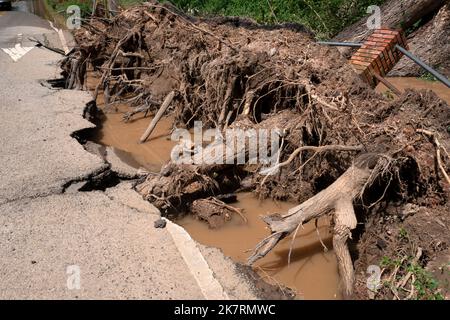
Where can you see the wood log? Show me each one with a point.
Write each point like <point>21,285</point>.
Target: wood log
<point>157,117</point>
<point>337,198</point>
<point>394,14</point>
<point>431,43</point>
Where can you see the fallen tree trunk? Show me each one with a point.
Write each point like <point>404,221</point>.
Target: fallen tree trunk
<point>338,197</point>
<point>431,43</point>
<point>394,14</point>
<point>426,42</point>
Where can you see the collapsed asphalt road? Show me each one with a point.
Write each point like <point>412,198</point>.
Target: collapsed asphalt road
<point>59,243</point>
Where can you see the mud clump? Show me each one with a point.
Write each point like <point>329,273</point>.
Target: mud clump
<point>215,212</point>
<point>236,74</point>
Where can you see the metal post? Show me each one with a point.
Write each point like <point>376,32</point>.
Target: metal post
<point>416,60</point>
<point>340,44</point>
<point>438,76</point>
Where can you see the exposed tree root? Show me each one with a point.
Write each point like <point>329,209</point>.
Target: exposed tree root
<point>338,197</point>
<point>339,140</point>
<point>214,211</point>
<point>439,147</point>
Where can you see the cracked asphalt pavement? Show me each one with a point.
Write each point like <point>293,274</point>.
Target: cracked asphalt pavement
<point>108,238</point>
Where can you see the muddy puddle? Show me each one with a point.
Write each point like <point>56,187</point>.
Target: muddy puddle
<point>312,271</point>
<point>402,83</point>
<point>124,137</point>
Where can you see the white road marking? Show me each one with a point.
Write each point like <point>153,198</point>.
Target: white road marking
<point>17,52</point>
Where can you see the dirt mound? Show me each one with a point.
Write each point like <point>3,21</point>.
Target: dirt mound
<point>345,150</point>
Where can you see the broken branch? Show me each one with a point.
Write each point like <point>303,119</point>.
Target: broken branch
<point>157,117</point>
<point>338,197</point>
<point>438,151</point>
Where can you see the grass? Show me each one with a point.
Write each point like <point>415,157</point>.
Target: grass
<point>325,17</point>
<point>428,77</point>
<point>60,6</point>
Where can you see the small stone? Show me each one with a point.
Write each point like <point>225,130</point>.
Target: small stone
<point>272,52</point>
<point>33,262</point>
<point>160,223</point>
<point>381,244</point>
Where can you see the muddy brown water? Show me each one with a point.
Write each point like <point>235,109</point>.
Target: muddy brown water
<point>312,271</point>
<point>402,83</point>
<point>124,137</point>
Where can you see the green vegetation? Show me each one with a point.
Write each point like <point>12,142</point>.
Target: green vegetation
<point>426,287</point>
<point>403,234</point>
<point>325,17</point>
<point>428,77</point>
<point>60,6</point>
<point>405,277</point>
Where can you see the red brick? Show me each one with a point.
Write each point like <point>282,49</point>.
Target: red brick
<point>382,66</point>
<point>378,54</point>
<point>359,68</point>
<point>384,36</point>
<point>381,43</point>
<point>387,31</point>
<point>377,48</point>
<point>384,62</point>
<point>372,81</point>
<point>361,63</point>
<point>369,51</point>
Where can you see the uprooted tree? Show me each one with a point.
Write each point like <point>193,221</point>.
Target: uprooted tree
<point>344,148</point>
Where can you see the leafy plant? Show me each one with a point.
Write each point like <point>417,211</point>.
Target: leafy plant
<point>427,287</point>
<point>61,6</point>
<point>428,77</point>
<point>403,234</point>
<point>325,17</point>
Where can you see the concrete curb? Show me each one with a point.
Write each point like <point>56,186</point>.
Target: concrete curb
<point>195,261</point>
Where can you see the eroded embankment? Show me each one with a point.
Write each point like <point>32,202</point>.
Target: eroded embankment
<point>347,153</point>
<point>312,272</point>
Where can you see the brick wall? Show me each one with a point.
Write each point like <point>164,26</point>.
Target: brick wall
<point>378,54</point>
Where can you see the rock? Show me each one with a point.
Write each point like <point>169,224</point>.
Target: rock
<point>381,244</point>
<point>160,223</point>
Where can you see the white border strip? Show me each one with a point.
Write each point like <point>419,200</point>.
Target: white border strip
<point>196,263</point>
<point>61,37</point>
